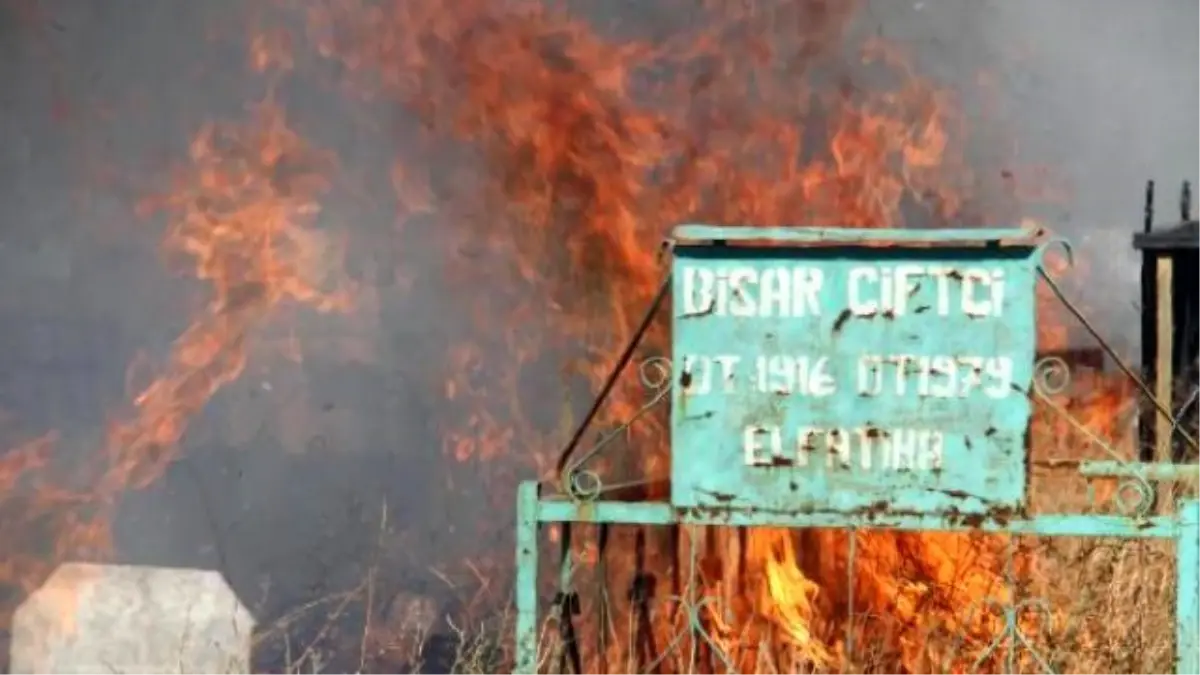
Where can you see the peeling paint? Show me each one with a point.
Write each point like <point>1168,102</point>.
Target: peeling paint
<point>935,425</point>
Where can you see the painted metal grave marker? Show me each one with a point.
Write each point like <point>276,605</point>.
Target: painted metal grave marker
<point>852,377</point>
<point>919,355</point>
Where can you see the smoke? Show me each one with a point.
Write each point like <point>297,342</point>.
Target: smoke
<point>1101,95</point>
<point>283,482</point>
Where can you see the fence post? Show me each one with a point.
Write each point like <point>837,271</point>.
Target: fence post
<point>1187,589</point>
<point>526,586</point>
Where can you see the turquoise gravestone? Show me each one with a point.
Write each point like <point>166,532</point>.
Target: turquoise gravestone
<point>852,378</point>
<point>857,379</point>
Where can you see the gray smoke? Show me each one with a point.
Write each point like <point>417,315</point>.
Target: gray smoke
<point>1104,93</point>
<point>99,101</point>
<point>100,98</point>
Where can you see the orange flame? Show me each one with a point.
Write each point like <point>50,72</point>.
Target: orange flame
<point>241,214</point>
<point>593,147</point>
<point>563,155</point>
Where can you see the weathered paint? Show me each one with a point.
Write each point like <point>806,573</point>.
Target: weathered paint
<point>1183,528</point>
<point>841,235</point>
<point>1147,471</point>
<point>526,586</point>
<point>979,488</point>
<point>1045,525</point>
<point>1187,590</point>
<point>937,426</point>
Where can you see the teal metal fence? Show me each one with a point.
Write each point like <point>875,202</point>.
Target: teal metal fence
<point>850,381</point>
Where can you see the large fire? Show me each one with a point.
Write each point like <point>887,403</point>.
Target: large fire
<point>590,147</point>
<point>239,216</point>
<point>563,153</point>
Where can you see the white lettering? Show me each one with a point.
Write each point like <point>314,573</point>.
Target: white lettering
<point>740,297</point>
<point>745,292</point>
<point>997,286</point>
<point>972,305</point>
<point>890,290</point>
<point>795,291</point>
<point>806,444</point>
<point>870,376</point>
<point>775,292</point>
<point>700,372</point>
<point>806,291</point>
<point>935,376</point>
<point>904,450</point>
<point>801,375</point>
<point>859,449</point>
<point>857,277</point>
<point>698,283</point>
<point>1000,374</point>
<point>753,447</point>
<point>837,444</point>
<point>942,372</point>
<point>908,282</point>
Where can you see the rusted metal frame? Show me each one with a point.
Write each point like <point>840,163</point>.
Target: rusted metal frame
<point>528,525</point>
<point>564,468</point>
<point>1183,528</point>
<point>1112,354</point>
<point>583,484</point>
<point>603,612</point>
<point>661,513</point>
<point>566,603</point>
<point>1151,471</point>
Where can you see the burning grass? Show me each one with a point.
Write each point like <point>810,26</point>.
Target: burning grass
<point>1111,600</point>
<point>565,152</point>
<point>1083,605</point>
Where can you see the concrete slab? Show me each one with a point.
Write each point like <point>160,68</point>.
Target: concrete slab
<point>90,618</point>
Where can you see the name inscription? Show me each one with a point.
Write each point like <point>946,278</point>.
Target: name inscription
<point>799,291</point>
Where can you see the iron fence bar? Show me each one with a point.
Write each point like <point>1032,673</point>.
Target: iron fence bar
<point>619,367</point>
<point>1183,528</point>
<point>1154,471</point>
<point>1187,589</point>
<point>1112,354</point>
<point>1050,525</point>
<point>526,580</point>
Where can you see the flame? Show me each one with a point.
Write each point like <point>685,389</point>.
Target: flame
<point>580,150</point>
<point>556,157</point>
<point>240,216</point>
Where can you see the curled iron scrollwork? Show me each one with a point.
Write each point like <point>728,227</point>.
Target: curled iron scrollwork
<point>1055,242</point>
<point>1134,497</point>
<point>584,484</point>
<point>655,373</point>
<point>1014,632</point>
<point>1051,376</point>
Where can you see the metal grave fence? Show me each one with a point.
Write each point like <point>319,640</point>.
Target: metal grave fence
<point>847,382</point>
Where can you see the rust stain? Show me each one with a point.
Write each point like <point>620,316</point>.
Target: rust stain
<point>841,320</point>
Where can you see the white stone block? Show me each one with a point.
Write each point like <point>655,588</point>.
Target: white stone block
<point>91,618</point>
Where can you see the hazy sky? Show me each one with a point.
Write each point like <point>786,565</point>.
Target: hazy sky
<point>99,97</point>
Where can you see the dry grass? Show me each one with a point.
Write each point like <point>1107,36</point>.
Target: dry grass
<point>1111,610</point>
<point>1109,602</point>
<point>1111,607</point>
